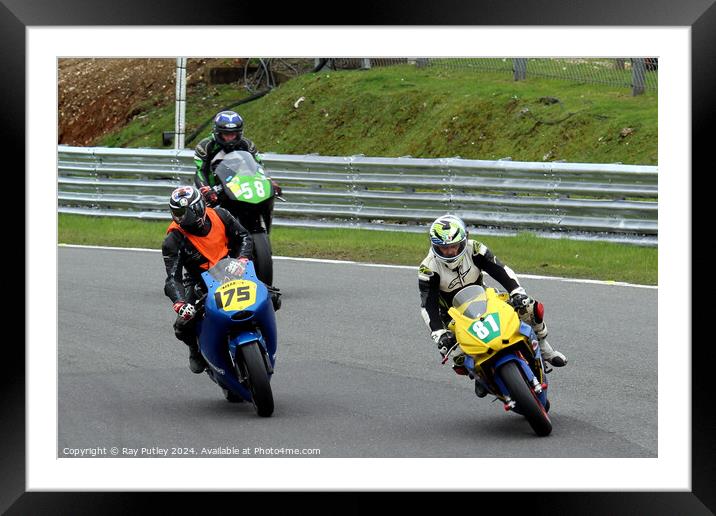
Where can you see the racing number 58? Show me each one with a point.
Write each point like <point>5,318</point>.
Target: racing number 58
<point>247,193</point>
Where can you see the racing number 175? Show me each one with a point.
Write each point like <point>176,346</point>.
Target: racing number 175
<point>242,294</point>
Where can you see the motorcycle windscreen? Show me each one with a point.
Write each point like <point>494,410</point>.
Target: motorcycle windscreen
<point>242,178</point>
<point>221,271</point>
<point>231,291</point>
<point>471,301</point>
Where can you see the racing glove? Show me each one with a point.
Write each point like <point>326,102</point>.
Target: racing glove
<point>185,310</point>
<point>276,188</point>
<point>238,266</point>
<point>445,341</point>
<point>209,195</point>
<point>519,299</point>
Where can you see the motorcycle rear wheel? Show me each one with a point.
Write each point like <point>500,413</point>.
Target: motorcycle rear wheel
<point>262,257</point>
<point>526,400</point>
<point>258,379</point>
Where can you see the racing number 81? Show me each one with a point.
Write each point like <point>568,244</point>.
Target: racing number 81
<point>482,331</point>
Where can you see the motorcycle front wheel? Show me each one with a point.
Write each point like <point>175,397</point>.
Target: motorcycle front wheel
<point>526,400</point>
<point>258,379</point>
<point>262,257</point>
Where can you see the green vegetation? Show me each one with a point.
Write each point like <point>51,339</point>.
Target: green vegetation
<point>157,115</point>
<point>526,254</point>
<point>425,112</point>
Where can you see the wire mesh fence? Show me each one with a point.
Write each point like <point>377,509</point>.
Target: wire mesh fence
<point>615,72</point>
<point>639,74</point>
<point>260,74</point>
<point>492,64</point>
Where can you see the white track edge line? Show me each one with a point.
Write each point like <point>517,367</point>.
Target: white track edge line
<point>348,262</point>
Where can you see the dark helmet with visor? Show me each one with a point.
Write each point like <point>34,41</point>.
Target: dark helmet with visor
<point>188,209</point>
<point>228,129</point>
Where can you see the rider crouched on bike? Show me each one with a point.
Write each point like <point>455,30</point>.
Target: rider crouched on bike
<point>196,240</point>
<point>227,136</point>
<point>454,261</point>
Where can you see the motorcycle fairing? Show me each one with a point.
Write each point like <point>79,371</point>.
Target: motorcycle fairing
<point>469,363</point>
<point>471,344</point>
<point>251,189</point>
<point>527,331</point>
<point>243,178</point>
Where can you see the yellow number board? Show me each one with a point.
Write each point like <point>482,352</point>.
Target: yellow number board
<point>235,295</point>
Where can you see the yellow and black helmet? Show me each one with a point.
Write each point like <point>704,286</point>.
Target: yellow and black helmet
<point>448,237</point>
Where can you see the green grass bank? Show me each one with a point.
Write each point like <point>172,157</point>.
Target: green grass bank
<point>423,112</point>
<point>525,253</point>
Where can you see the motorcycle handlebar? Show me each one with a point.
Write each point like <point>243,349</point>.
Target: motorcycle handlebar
<point>199,305</point>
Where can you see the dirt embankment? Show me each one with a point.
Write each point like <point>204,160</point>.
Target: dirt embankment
<point>96,96</point>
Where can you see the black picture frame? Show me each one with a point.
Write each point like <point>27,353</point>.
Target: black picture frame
<point>700,15</point>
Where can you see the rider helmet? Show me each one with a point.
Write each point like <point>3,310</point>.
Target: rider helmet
<point>228,129</point>
<point>189,210</point>
<point>448,236</point>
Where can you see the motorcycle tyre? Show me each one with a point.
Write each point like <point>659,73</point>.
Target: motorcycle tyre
<point>258,379</point>
<point>526,399</point>
<point>262,257</point>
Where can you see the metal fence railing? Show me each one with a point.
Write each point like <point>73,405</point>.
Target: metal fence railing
<point>579,201</point>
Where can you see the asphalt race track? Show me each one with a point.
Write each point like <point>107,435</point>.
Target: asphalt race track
<point>356,373</point>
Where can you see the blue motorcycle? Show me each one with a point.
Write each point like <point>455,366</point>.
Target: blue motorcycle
<point>237,333</point>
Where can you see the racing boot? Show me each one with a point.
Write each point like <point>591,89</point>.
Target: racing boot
<point>551,355</point>
<point>197,364</point>
<point>275,297</point>
<point>480,389</point>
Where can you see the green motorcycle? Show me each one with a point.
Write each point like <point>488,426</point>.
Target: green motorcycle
<point>248,195</point>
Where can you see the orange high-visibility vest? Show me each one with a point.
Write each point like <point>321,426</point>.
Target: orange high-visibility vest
<point>214,246</point>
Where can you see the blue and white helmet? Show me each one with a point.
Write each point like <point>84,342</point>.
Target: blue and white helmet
<point>228,122</point>
<point>448,236</point>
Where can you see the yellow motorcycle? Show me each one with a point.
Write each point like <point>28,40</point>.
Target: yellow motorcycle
<point>501,352</point>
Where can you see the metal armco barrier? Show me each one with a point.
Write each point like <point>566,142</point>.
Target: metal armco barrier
<point>562,200</point>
